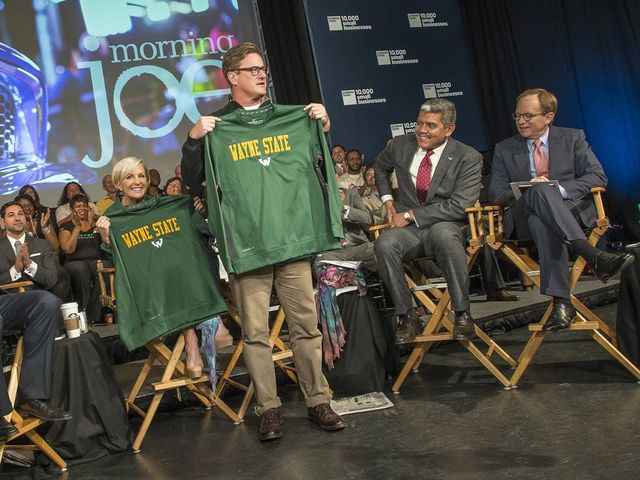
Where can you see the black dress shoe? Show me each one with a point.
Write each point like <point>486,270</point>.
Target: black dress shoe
<point>6,430</point>
<point>560,318</point>
<point>270,425</point>
<point>324,416</point>
<point>38,408</point>
<point>409,325</point>
<point>609,264</point>
<point>502,296</point>
<point>463,327</point>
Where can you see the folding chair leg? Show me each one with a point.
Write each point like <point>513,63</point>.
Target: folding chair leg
<point>408,366</point>
<point>615,353</point>
<point>137,386</point>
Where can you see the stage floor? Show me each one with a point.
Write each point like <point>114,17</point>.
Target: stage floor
<point>572,417</point>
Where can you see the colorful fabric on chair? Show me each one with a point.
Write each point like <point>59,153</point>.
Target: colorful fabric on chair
<point>209,329</point>
<point>331,277</point>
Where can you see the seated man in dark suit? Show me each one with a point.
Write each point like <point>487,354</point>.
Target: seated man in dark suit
<point>553,217</point>
<point>36,312</point>
<point>23,257</point>
<point>438,178</point>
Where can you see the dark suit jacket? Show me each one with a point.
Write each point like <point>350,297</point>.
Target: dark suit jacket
<point>455,184</point>
<point>571,162</point>
<point>40,252</point>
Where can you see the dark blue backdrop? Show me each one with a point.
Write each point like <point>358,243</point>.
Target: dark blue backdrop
<point>586,52</point>
<point>378,61</point>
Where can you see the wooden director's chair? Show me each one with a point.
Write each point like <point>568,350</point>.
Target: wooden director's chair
<point>585,319</point>
<point>26,426</point>
<point>281,352</point>
<point>439,327</point>
<point>173,376</point>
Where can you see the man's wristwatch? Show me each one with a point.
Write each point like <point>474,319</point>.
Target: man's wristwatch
<point>407,217</point>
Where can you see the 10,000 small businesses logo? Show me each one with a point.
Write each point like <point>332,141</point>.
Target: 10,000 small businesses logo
<point>442,89</point>
<point>360,96</point>
<point>346,22</point>
<point>402,128</point>
<point>394,57</point>
<point>426,19</point>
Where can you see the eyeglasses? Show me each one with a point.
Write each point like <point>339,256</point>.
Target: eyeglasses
<point>526,116</point>
<point>254,70</point>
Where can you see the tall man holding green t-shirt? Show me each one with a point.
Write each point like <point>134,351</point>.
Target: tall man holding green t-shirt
<point>245,71</point>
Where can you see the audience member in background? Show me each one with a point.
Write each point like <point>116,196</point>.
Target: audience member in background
<point>70,190</point>
<point>175,186</point>
<point>353,177</point>
<point>356,246</point>
<point>337,155</point>
<point>439,177</point>
<point>81,246</point>
<point>33,193</point>
<point>36,314</point>
<point>552,216</point>
<point>371,197</point>
<point>154,183</point>
<point>178,171</point>
<point>23,257</point>
<point>43,228</point>
<point>108,199</point>
<point>39,224</point>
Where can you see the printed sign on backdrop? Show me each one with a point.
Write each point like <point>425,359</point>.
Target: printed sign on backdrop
<point>377,65</point>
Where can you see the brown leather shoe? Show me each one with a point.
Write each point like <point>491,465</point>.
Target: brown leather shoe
<point>270,425</point>
<point>409,325</point>
<point>324,416</point>
<point>463,327</point>
<point>502,296</point>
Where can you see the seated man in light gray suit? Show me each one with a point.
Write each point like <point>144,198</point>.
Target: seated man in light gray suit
<point>357,246</point>
<point>32,258</point>
<point>553,217</point>
<point>438,178</point>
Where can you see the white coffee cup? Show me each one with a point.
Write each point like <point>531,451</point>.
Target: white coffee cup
<point>72,325</point>
<point>68,308</point>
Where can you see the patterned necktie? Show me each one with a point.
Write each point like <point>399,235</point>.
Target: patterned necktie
<point>423,179</point>
<point>16,246</point>
<point>540,160</point>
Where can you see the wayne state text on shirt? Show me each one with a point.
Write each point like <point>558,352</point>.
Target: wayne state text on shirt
<point>143,234</point>
<point>251,148</point>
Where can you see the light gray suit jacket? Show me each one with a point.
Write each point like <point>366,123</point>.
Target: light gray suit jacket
<point>455,184</point>
<point>571,162</point>
<point>357,219</point>
<point>40,252</point>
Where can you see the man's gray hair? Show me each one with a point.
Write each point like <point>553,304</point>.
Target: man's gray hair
<point>440,105</point>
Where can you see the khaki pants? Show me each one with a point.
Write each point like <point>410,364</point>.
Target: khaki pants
<point>293,284</point>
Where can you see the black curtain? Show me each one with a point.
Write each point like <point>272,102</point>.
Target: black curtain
<point>289,51</point>
<point>585,51</point>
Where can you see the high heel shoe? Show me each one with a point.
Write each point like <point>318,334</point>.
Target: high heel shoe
<point>224,340</point>
<point>193,370</point>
